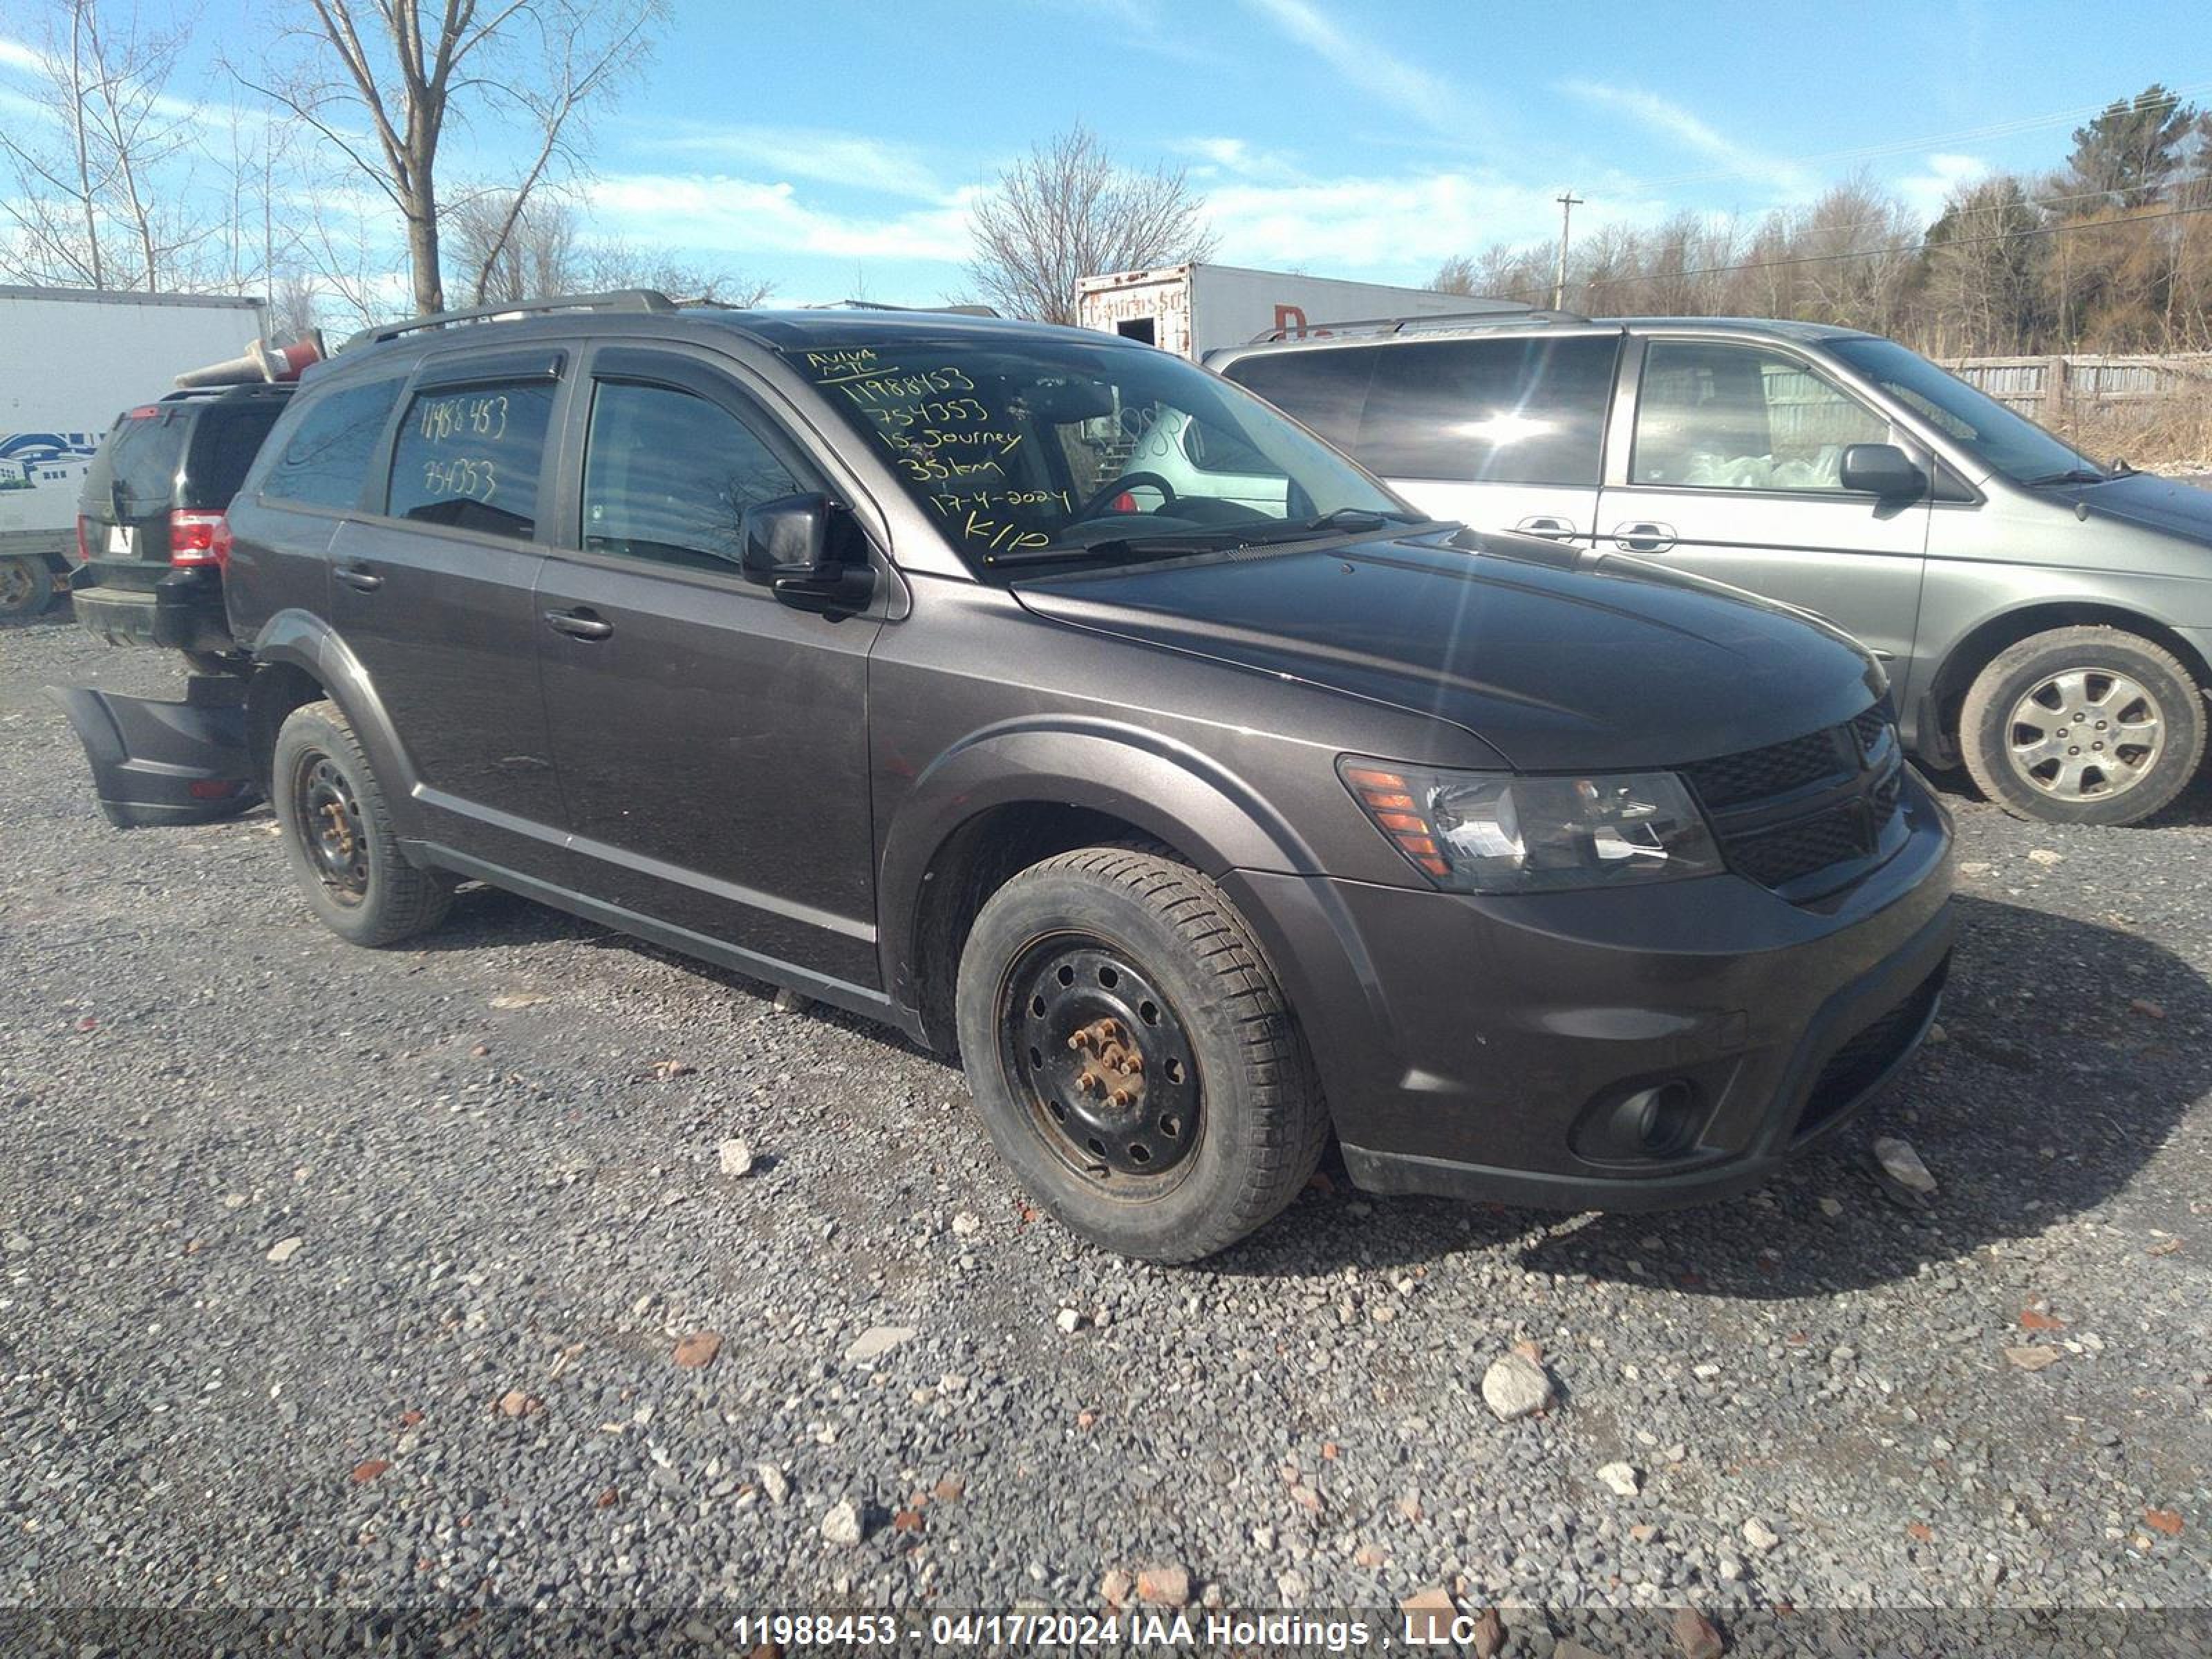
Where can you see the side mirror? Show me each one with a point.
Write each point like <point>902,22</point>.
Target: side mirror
<point>1882,471</point>
<point>806,551</point>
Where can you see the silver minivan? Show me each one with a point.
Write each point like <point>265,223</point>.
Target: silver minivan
<point>2046,620</point>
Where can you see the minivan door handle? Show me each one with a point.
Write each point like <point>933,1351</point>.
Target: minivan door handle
<point>579,624</point>
<point>362,581</point>
<point>1547,524</point>
<point>1644,536</point>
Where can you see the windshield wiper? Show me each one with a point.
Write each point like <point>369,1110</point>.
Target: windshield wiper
<point>2071,475</point>
<point>1117,547</point>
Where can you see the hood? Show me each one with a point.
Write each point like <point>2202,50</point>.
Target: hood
<point>2147,502</point>
<point>1557,665</point>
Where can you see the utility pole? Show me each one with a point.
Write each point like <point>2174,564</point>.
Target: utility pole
<point>1568,203</point>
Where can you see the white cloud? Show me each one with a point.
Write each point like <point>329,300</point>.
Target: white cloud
<point>734,215</point>
<point>1926,191</point>
<point>1692,133</point>
<point>1367,65</point>
<point>14,55</point>
<point>821,153</point>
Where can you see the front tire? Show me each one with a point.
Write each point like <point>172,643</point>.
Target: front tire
<point>2083,726</point>
<point>339,836</point>
<point>1134,1056</point>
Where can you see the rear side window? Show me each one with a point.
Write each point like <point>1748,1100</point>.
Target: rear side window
<point>1325,389</point>
<point>225,439</point>
<point>135,473</point>
<point>1490,411</point>
<point>468,456</point>
<point>325,457</point>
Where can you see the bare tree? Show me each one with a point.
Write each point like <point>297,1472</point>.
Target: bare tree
<point>536,250</point>
<point>84,208</point>
<point>1065,211</point>
<point>385,71</point>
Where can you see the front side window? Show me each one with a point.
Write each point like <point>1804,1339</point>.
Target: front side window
<point>2005,439</point>
<point>468,456</point>
<point>1518,411</point>
<point>1717,416</point>
<point>1028,446</point>
<point>668,476</point>
<point>326,451</point>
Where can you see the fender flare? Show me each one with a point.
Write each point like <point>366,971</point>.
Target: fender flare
<point>300,640</point>
<point>1167,789</point>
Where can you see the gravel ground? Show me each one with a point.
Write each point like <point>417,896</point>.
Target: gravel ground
<point>335,1276</point>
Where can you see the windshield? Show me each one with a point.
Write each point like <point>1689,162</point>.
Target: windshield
<point>1030,450</point>
<point>2010,443</point>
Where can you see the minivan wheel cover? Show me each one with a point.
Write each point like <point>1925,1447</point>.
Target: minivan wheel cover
<point>2085,734</point>
<point>1101,1064</point>
<point>330,823</point>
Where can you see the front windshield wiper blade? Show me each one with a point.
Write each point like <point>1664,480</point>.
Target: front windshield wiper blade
<point>2071,475</point>
<point>1115,547</point>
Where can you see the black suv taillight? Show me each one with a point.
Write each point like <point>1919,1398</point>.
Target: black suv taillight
<point>198,537</point>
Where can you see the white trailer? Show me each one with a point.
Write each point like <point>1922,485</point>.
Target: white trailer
<point>1197,309</point>
<point>71,360</point>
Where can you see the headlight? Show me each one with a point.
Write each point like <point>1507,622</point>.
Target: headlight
<point>1489,832</point>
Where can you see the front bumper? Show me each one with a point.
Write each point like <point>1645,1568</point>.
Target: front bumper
<point>1489,1048</point>
<point>176,610</point>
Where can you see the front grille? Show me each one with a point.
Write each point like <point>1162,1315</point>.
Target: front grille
<point>1785,813</point>
<point>1774,770</point>
<point>1860,1063</point>
<point>1776,857</point>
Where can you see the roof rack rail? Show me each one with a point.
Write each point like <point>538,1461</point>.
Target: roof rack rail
<point>626,299</point>
<point>1439,319</point>
<point>236,389</point>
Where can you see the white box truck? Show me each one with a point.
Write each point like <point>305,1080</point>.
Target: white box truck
<point>71,360</point>
<point>1197,309</point>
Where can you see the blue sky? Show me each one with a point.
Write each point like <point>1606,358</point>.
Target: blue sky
<point>833,146</point>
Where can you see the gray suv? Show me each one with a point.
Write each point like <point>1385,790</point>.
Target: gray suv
<point>840,648</point>
<point>2046,620</point>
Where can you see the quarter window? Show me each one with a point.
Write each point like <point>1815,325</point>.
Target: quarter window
<point>668,476</point>
<point>1325,388</point>
<point>326,453</point>
<point>1518,411</point>
<point>1734,417</point>
<point>468,456</point>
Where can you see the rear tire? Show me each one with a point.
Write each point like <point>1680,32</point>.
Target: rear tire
<point>339,836</point>
<point>27,587</point>
<point>2083,726</point>
<point>1134,1056</point>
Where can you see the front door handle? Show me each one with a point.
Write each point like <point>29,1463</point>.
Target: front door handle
<point>1644,536</point>
<point>362,581</point>
<point>579,624</point>
<point>1546,523</point>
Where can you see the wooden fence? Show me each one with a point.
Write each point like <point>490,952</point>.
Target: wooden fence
<point>2051,390</point>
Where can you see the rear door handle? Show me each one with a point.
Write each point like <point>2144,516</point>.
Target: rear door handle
<point>579,624</point>
<point>1546,523</point>
<point>362,581</point>
<point>1644,536</point>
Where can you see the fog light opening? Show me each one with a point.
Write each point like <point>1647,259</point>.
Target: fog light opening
<point>1657,1121</point>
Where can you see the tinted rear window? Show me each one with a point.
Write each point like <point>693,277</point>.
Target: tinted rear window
<point>1528,410</point>
<point>225,439</point>
<point>137,467</point>
<point>324,456</point>
<point>1326,389</point>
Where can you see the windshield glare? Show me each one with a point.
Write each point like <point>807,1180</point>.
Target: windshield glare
<point>2009,442</point>
<point>1030,445</point>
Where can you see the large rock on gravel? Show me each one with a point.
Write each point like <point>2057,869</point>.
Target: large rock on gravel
<point>1514,1387</point>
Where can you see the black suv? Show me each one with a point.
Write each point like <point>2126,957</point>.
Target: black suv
<point>846,649</point>
<point>151,537</point>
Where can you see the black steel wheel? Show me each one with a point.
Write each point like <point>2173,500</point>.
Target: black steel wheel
<point>1102,1061</point>
<point>339,836</point>
<point>323,803</point>
<point>1132,1056</point>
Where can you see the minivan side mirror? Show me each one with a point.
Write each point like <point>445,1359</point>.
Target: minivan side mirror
<point>1883,470</point>
<point>807,550</point>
